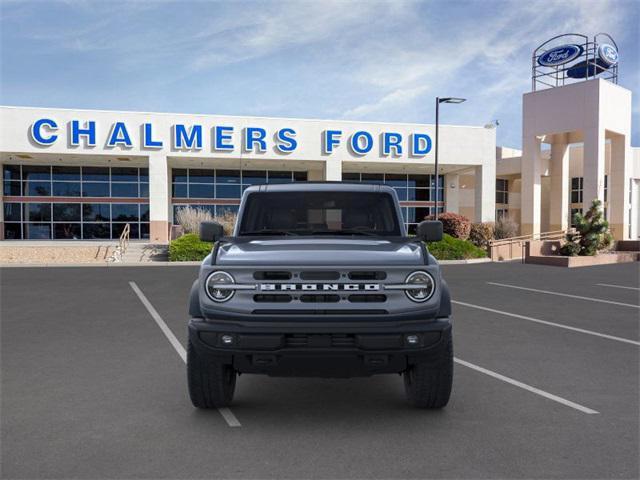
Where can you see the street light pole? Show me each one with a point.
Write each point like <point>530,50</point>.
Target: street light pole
<point>438,102</point>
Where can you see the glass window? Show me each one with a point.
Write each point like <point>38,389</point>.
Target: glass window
<point>66,189</point>
<point>66,212</point>
<point>13,231</point>
<point>502,190</point>
<point>66,173</point>
<point>144,190</point>
<point>117,228</point>
<point>37,189</point>
<point>606,187</point>
<point>419,194</point>
<point>228,191</point>
<point>70,231</point>
<point>299,176</point>
<point>350,177</point>
<point>576,190</point>
<point>221,210</point>
<point>12,212</point>
<point>96,212</point>
<point>179,190</point>
<point>12,189</point>
<point>95,174</point>
<point>96,230</point>
<point>11,172</point>
<point>200,175</point>
<point>254,177</point>
<point>36,172</point>
<point>402,194</point>
<point>124,190</point>
<point>144,212</point>
<point>279,177</point>
<point>179,175</point>
<point>419,181</point>
<point>373,178</point>
<point>124,174</point>
<point>227,176</point>
<point>202,190</point>
<point>37,231</point>
<point>37,212</point>
<point>144,174</point>
<point>144,230</point>
<point>395,180</point>
<point>124,212</point>
<point>95,189</point>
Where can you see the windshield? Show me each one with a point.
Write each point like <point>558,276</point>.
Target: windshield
<point>320,213</point>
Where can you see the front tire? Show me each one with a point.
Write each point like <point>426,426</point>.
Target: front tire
<point>211,383</point>
<point>428,384</point>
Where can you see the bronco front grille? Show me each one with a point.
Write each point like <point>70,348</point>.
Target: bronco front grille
<point>320,341</point>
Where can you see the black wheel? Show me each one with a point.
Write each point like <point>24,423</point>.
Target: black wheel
<point>211,383</point>
<point>428,384</point>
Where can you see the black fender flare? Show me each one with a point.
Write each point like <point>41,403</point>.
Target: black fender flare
<point>445,301</point>
<point>194,300</point>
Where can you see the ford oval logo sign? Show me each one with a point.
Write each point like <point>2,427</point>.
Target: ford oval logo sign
<point>608,54</point>
<point>560,55</point>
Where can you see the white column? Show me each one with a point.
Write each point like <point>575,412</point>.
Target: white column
<point>559,196</point>
<point>333,170</point>
<point>593,167</point>
<point>618,187</point>
<point>159,198</point>
<point>452,195</point>
<point>485,192</point>
<point>531,188</point>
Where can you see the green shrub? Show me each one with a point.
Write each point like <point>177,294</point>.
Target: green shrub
<point>450,248</point>
<point>457,226</point>
<point>481,234</point>
<point>188,247</point>
<point>591,235</point>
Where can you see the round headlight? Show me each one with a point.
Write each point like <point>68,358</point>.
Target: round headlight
<point>217,293</point>
<point>425,286</point>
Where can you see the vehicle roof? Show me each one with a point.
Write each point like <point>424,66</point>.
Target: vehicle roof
<point>320,187</point>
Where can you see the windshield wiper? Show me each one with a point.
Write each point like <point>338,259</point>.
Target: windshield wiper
<point>269,231</point>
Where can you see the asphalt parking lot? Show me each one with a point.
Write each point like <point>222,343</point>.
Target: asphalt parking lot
<point>546,385</point>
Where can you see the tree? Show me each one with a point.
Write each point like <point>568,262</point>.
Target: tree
<point>591,235</point>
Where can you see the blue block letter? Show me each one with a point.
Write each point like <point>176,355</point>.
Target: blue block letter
<point>355,142</point>
<point>421,144</point>
<point>286,141</point>
<point>221,137</point>
<point>89,131</point>
<point>391,140</point>
<point>36,131</point>
<point>147,138</point>
<point>255,135</point>
<point>119,136</point>
<point>184,139</point>
<point>331,139</point>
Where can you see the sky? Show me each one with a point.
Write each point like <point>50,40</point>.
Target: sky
<point>372,60</point>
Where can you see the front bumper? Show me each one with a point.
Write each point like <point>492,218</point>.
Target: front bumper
<point>317,349</point>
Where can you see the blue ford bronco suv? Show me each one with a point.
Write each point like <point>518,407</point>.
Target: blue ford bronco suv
<point>320,280</point>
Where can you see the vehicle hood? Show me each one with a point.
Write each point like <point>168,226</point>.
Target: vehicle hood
<point>320,251</point>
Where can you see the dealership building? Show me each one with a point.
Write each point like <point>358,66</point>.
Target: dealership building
<point>85,174</point>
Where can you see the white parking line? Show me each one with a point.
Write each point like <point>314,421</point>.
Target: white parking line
<point>529,388</point>
<point>545,322</point>
<point>590,299</point>
<point>227,414</point>
<point>616,286</point>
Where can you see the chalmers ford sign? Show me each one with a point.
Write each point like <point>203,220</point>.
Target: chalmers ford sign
<point>196,137</point>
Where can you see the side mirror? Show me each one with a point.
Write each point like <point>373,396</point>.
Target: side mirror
<point>211,231</point>
<point>429,231</point>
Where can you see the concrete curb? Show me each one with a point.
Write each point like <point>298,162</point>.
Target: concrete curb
<point>99,265</point>
<point>464,262</point>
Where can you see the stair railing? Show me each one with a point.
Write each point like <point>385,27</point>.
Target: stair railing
<point>123,244</point>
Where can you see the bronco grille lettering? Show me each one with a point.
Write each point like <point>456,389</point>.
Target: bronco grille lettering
<point>271,287</point>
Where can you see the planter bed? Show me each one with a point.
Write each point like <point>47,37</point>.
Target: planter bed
<point>602,259</point>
